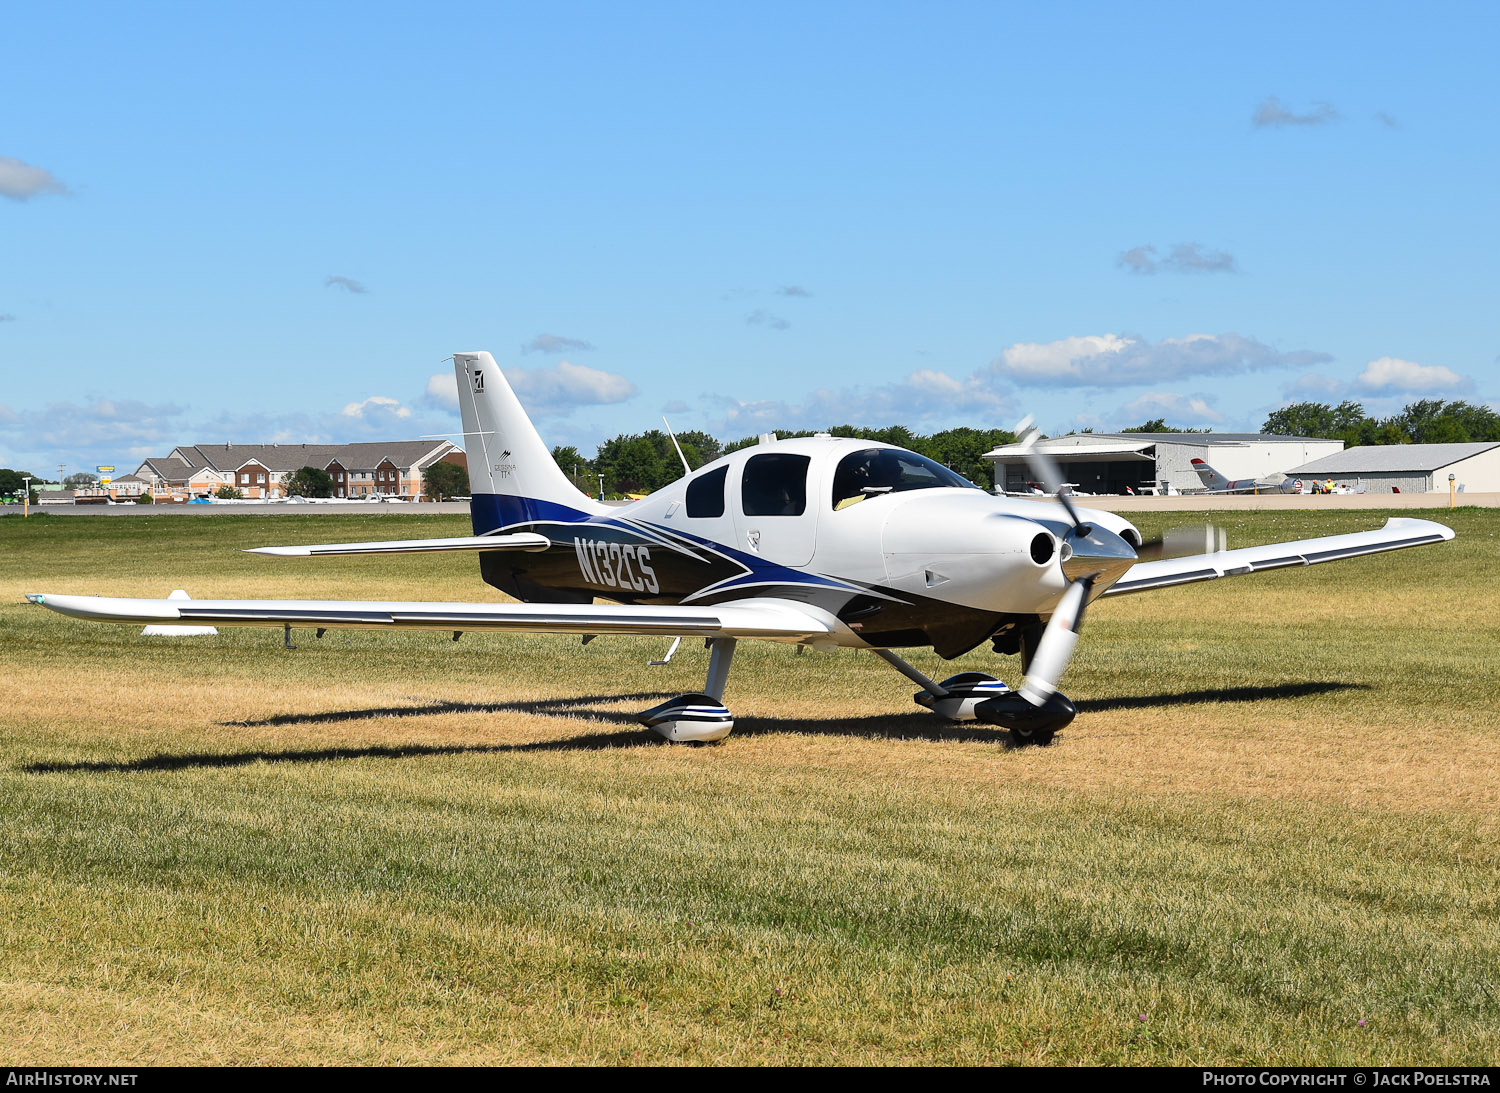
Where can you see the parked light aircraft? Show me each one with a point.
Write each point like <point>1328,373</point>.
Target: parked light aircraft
<point>821,541</point>
<point>1217,483</point>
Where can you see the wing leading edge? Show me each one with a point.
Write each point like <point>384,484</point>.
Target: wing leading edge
<point>520,540</point>
<point>777,620</point>
<point>1398,533</point>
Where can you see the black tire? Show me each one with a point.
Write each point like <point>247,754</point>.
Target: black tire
<point>1023,737</point>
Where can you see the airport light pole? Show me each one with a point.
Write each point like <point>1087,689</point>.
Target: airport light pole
<point>26,499</point>
<point>1452,493</point>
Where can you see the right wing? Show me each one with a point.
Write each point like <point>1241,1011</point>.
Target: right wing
<point>1397,533</point>
<point>777,620</point>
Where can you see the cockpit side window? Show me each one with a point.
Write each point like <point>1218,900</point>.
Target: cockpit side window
<point>775,484</point>
<point>705,494</point>
<point>877,471</point>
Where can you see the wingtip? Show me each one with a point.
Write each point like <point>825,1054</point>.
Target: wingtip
<point>33,597</point>
<point>1414,522</point>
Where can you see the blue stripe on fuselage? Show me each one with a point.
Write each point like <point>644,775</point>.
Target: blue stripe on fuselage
<point>491,512</point>
<point>494,511</point>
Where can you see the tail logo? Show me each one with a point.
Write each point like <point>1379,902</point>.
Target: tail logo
<point>479,381</point>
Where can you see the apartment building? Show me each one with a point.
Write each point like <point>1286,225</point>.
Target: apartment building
<point>365,469</point>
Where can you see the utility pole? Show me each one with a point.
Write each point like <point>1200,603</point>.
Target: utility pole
<point>26,500</point>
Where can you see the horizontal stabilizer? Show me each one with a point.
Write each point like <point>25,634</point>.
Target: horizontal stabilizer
<point>1398,533</point>
<point>521,540</point>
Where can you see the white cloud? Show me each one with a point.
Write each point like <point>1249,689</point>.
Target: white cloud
<point>1271,113</point>
<point>1390,374</point>
<point>925,395</point>
<point>1184,258</point>
<point>764,318</point>
<point>1189,410</point>
<point>374,406</point>
<point>1315,383</point>
<point>555,343</point>
<point>102,431</point>
<point>1109,360</point>
<point>20,181</point>
<point>442,391</point>
<point>566,386</point>
<point>121,430</point>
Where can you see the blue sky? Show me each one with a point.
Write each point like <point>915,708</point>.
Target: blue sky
<point>273,222</point>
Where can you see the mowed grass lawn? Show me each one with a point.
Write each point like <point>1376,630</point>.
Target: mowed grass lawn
<point>1269,837</point>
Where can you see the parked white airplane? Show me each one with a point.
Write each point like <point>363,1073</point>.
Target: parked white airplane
<point>820,541</point>
<point>1217,483</point>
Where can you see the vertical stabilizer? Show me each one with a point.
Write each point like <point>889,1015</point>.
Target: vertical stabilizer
<point>1211,478</point>
<point>512,474</point>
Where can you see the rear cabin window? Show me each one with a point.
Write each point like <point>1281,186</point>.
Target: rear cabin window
<point>705,494</point>
<point>875,471</point>
<point>775,484</point>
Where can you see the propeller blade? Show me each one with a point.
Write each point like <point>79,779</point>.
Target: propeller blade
<point>1045,469</point>
<point>1180,542</point>
<point>1055,649</point>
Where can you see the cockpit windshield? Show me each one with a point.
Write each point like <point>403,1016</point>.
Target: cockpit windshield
<point>877,471</point>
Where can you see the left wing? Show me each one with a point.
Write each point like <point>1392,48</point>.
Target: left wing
<point>519,540</point>
<point>1397,533</point>
<point>778,620</point>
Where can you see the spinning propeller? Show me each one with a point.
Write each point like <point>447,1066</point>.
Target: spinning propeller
<point>1080,547</point>
<point>1087,551</point>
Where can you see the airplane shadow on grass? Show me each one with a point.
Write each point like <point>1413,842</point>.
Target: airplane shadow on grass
<point>915,725</point>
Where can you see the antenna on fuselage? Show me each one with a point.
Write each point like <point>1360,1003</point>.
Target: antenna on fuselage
<point>685,468</point>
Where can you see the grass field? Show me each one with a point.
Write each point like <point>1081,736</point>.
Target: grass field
<point>1269,837</point>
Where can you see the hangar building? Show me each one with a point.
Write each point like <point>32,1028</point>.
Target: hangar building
<point>1410,468</point>
<point>1110,462</point>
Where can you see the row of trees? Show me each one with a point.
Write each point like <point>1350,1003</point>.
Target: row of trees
<point>643,462</point>
<point>13,483</point>
<point>1427,421</point>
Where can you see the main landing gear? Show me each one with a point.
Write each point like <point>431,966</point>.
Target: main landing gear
<point>974,696</point>
<point>700,717</point>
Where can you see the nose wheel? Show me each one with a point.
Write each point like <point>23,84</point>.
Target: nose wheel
<point>1027,723</point>
<point>974,696</point>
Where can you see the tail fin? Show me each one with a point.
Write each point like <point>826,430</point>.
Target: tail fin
<point>1211,478</point>
<point>512,474</point>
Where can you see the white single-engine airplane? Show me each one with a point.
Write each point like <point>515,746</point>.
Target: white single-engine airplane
<point>821,541</point>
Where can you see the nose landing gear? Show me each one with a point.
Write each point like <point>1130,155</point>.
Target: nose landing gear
<point>1028,724</point>
<point>974,696</point>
